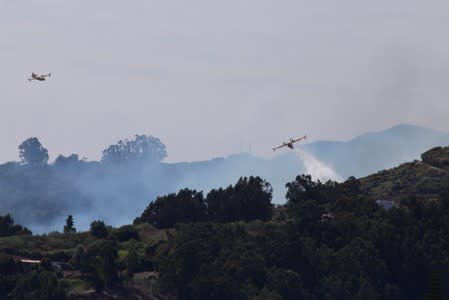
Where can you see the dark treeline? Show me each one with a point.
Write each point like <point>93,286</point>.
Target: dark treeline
<point>334,243</point>
<point>22,282</point>
<point>8,228</point>
<point>249,199</point>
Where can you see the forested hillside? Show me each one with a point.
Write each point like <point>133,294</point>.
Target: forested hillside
<point>329,241</point>
<point>424,179</point>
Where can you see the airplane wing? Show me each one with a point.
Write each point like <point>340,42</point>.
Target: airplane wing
<point>297,140</point>
<point>278,147</point>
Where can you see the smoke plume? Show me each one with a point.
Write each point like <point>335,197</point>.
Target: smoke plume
<point>316,168</point>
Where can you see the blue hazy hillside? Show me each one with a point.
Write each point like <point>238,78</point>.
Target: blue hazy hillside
<point>42,197</point>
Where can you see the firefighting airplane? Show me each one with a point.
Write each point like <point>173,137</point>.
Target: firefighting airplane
<point>34,76</point>
<point>289,143</point>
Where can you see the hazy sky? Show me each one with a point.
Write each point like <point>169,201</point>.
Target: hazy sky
<point>210,78</point>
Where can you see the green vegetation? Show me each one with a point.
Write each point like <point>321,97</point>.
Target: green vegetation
<point>166,211</point>
<point>415,178</point>
<point>329,241</point>
<point>249,199</point>
<point>98,229</point>
<point>8,228</point>
<point>68,228</point>
<point>437,157</point>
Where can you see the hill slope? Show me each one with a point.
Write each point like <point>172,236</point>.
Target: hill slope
<point>423,179</point>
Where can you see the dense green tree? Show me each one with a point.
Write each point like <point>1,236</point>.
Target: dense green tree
<point>287,283</point>
<point>98,263</point>
<point>131,263</point>
<point>98,229</point>
<point>68,227</point>
<point>6,222</point>
<point>244,263</point>
<point>249,199</point>
<point>437,157</point>
<point>210,261</point>
<point>147,148</point>
<point>183,207</point>
<point>8,228</point>
<point>80,260</point>
<point>305,199</point>
<point>220,206</point>
<point>126,233</point>
<point>8,270</point>
<point>38,284</point>
<point>32,152</point>
<point>105,256</point>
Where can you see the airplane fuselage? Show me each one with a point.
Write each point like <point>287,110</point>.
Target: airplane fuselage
<point>34,76</point>
<point>289,144</point>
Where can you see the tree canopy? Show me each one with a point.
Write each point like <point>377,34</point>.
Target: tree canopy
<point>249,199</point>
<point>8,228</point>
<point>183,207</point>
<point>142,148</point>
<point>31,152</point>
<point>98,229</point>
<point>68,227</point>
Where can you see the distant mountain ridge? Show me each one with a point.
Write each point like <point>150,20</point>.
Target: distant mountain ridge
<point>374,151</point>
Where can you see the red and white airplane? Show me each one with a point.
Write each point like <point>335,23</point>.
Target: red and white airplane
<point>289,143</point>
<point>42,77</point>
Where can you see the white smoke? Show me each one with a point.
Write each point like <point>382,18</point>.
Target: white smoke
<point>316,168</point>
